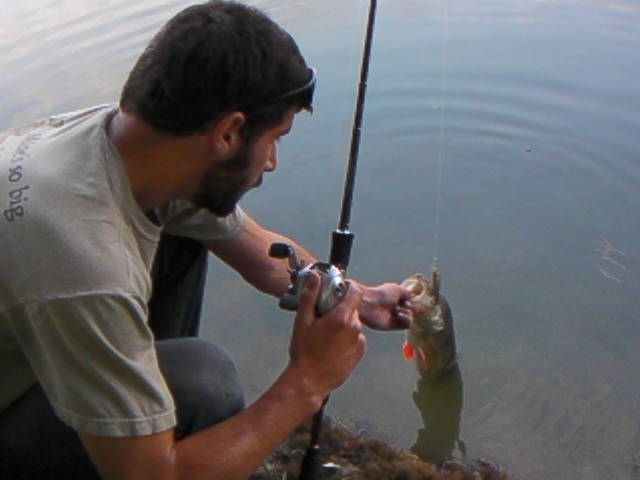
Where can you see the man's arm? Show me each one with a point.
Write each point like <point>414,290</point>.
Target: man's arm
<point>322,355</point>
<point>384,307</point>
<point>248,255</point>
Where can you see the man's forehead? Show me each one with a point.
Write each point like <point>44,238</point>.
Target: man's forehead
<point>287,122</point>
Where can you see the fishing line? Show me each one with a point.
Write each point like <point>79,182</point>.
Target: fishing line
<point>441,142</point>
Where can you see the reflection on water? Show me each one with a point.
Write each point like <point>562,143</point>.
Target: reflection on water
<point>440,405</point>
<point>612,257</point>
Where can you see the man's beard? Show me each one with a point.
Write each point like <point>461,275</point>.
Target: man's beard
<point>219,192</point>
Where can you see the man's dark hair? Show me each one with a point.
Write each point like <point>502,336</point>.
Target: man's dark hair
<point>211,59</point>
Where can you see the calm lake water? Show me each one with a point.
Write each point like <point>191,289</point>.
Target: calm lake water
<point>502,137</point>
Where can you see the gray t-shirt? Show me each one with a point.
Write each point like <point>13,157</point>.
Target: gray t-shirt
<point>76,252</point>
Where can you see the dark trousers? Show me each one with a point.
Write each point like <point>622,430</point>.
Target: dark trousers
<point>35,444</point>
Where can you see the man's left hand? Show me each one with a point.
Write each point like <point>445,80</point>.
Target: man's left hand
<point>386,307</point>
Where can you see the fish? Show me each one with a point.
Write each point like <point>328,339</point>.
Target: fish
<point>430,340</point>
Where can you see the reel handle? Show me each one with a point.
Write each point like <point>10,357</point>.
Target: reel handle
<point>333,286</point>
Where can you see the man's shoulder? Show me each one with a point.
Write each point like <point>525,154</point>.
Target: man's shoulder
<point>56,123</point>
<point>64,220</point>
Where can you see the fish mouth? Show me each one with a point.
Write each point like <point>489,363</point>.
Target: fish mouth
<point>417,289</point>
<point>416,285</point>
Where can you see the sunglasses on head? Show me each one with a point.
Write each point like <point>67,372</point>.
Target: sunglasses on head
<point>307,89</point>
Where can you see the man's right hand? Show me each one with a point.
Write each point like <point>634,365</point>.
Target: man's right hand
<point>324,351</point>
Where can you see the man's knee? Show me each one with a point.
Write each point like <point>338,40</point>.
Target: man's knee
<point>203,381</point>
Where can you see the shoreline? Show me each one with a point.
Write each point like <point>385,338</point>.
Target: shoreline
<point>347,455</point>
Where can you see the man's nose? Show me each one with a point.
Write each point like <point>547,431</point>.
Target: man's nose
<point>272,160</point>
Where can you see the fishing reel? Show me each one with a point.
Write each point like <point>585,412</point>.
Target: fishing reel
<point>333,287</point>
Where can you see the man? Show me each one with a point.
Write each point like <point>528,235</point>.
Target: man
<point>102,374</point>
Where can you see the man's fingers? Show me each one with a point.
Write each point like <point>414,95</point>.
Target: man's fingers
<point>402,316</point>
<point>309,296</point>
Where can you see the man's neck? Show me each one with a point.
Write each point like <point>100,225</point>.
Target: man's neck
<point>158,166</point>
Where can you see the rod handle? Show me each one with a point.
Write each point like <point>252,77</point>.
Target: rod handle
<point>341,243</point>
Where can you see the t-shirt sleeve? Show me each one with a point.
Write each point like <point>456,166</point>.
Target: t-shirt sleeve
<point>185,219</point>
<point>95,358</point>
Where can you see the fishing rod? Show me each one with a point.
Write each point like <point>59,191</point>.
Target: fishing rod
<point>342,239</point>
<point>333,287</point>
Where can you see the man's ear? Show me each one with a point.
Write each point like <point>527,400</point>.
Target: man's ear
<point>225,135</point>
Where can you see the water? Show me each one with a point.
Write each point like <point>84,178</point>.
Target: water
<point>531,107</point>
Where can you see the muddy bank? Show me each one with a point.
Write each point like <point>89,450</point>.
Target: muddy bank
<point>355,456</point>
